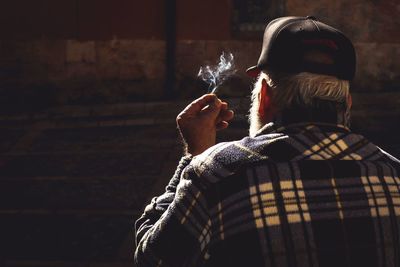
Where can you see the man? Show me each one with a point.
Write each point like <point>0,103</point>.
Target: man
<point>301,190</point>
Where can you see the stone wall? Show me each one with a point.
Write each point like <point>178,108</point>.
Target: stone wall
<point>48,73</point>
<point>38,72</point>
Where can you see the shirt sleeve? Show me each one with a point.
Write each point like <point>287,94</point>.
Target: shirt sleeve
<point>159,204</point>
<point>180,236</point>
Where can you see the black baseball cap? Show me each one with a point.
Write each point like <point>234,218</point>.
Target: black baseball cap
<point>304,44</point>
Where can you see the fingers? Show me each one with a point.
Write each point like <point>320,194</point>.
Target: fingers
<point>222,125</point>
<point>226,115</point>
<point>198,105</point>
<point>202,102</point>
<point>223,118</point>
<point>207,108</point>
<point>213,106</point>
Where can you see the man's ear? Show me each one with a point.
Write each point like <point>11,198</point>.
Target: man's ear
<point>265,109</point>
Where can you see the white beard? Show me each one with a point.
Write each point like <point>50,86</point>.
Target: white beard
<point>255,121</point>
<point>254,117</point>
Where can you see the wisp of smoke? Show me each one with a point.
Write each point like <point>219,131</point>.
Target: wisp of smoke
<point>214,76</point>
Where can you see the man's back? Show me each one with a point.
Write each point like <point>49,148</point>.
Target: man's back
<point>305,195</point>
<point>308,194</point>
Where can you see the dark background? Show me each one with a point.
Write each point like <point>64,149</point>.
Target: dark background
<point>89,91</point>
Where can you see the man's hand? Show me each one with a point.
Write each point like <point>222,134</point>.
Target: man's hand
<point>200,120</point>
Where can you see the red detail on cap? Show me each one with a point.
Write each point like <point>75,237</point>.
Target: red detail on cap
<point>325,42</point>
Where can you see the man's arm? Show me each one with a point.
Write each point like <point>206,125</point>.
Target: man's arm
<point>181,235</point>
<point>159,205</point>
<point>197,124</point>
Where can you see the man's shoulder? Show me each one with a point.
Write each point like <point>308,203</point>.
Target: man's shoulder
<point>225,158</point>
<point>389,157</point>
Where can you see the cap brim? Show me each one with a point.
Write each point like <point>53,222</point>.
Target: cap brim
<point>253,71</point>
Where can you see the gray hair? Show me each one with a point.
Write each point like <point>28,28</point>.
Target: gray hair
<point>297,90</point>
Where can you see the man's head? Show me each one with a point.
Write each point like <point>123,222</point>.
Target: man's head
<point>303,63</point>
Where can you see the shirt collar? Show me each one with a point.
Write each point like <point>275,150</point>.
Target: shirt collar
<point>271,128</point>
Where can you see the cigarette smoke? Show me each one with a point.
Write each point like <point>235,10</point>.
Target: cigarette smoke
<point>214,76</point>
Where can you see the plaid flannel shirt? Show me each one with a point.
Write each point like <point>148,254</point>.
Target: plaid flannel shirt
<point>312,194</point>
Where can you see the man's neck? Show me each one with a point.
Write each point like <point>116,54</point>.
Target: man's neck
<point>321,111</point>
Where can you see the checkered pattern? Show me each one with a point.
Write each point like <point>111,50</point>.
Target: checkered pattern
<point>303,195</point>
